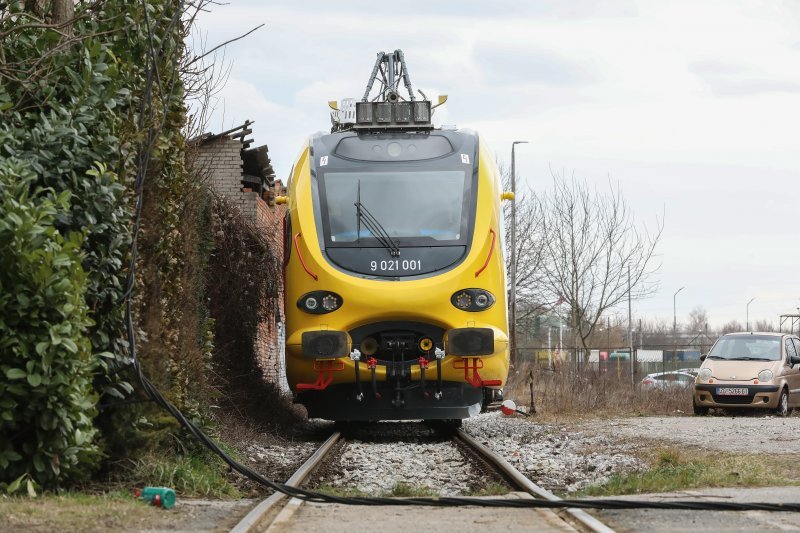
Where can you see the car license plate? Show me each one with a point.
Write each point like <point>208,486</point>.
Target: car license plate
<point>731,391</point>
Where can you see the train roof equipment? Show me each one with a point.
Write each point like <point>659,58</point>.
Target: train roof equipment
<point>388,110</point>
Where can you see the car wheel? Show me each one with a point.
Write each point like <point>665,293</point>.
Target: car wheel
<point>783,404</point>
<point>699,410</point>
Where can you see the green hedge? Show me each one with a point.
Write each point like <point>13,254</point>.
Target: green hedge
<point>46,395</point>
<point>75,120</point>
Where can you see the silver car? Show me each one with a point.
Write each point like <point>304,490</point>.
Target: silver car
<point>677,379</point>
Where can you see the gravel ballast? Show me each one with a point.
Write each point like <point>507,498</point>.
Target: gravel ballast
<point>554,457</point>
<point>381,458</point>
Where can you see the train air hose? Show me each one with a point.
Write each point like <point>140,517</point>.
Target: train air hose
<point>143,158</point>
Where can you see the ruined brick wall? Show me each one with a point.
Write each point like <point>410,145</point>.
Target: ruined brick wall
<point>220,162</point>
<point>271,335</point>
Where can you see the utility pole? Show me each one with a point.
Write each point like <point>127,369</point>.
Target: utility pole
<point>747,314</point>
<point>641,334</point>
<point>608,345</point>
<point>513,296</point>
<point>630,327</point>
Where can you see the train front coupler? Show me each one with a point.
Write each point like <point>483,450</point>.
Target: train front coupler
<point>355,356</point>
<point>439,354</point>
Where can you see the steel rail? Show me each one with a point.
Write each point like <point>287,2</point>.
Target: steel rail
<point>527,485</point>
<point>251,521</point>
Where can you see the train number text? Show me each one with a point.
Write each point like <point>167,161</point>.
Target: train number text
<point>396,265</point>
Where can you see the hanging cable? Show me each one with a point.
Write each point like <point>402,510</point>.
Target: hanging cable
<point>143,159</point>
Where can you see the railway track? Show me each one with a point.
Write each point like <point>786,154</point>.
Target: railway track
<point>584,519</point>
<point>272,514</point>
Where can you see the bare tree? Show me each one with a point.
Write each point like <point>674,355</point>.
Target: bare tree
<point>204,71</point>
<point>732,327</point>
<point>529,249</point>
<point>594,253</point>
<point>698,320</point>
<point>656,333</point>
<point>765,325</point>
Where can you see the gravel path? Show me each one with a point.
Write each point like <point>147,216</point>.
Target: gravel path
<point>746,433</point>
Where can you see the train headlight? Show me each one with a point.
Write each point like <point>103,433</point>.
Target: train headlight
<point>463,300</point>
<point>319,302</point>
<point>330,302</point>
<point>472,300</point>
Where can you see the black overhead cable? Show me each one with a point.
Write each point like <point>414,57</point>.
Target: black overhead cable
<point>144,154</point>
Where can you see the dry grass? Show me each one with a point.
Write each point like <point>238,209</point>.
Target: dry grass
<point>79,512</point>
<point>566,394</point>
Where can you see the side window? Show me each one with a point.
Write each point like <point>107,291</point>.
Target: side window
<point>796,345</point>
<point>790,351</point>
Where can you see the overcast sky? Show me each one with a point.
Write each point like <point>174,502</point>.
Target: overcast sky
<point>690,107</point>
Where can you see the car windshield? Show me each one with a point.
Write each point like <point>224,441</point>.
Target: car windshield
<point>421,205</point>
<point>747,348</point>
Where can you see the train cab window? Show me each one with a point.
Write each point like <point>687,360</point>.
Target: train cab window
<point>417,208</point>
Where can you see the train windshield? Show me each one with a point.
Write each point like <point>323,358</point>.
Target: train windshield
<point>411,207</point>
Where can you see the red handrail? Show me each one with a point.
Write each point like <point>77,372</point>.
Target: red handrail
<point>303,261</point>
<point>491,251</point>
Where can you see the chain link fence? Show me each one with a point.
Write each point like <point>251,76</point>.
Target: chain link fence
<point>617,360</point>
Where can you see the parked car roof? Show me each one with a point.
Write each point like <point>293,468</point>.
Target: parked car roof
<point>770,333</point>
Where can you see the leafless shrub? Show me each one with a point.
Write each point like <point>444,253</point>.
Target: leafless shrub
<point>567,393</point>
<point>244,294</point>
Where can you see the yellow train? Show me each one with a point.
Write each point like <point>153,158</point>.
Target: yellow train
<point>395,290</point>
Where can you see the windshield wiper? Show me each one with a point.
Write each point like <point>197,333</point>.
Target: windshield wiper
<point>749,359</point>
<point>375,228</point>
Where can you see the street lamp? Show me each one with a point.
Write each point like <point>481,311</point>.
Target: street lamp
<point>674,313</point>
<point>513,302</point>
<point>675,322</point>
<point>747,313</point>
